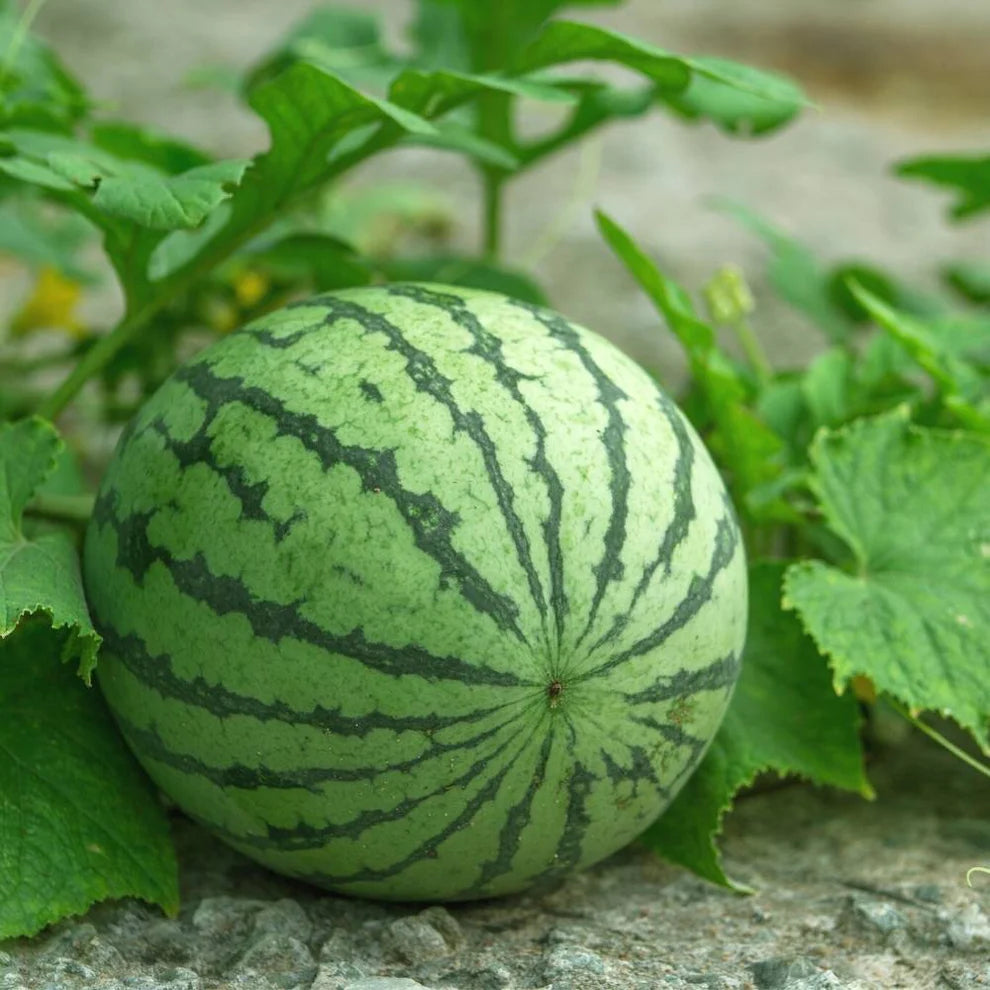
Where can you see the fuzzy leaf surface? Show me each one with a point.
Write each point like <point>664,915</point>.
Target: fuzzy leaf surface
<point>912,613</point>
<point>79,821</point>
<point>39,564</point>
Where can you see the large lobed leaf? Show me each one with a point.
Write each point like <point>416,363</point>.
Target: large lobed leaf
<point>79,821</point>
<point>784,717</point>
<point>39,565</point>
<point>913,612</point>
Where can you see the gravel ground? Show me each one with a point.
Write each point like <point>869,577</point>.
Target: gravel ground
<point>851,894</point>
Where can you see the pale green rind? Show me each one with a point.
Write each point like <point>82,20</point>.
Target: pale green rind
<point>402,584</point>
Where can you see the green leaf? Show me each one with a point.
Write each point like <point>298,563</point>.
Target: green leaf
<point>489,33</point>
<point>784,717</point>
<point>438,91</point>
<point>738,98</point>
<point>35,88</point>
<point>745,447</point>
<point>343,40</point>
<point>971,279</point>
<point>826,387</point>
<point>671,301</point>
<point>319,125</point>
<point>38,238</point>
<point>129,142</point>
<point>913,614</point>
<point>128,189</point>
<point>795,273</point>
<point>936,346</point>
<point>39,566</point>
<point>560,42</point>
<point>450,136</point>
<point>79,821</point>
<point>324,262</point>
<point>967,175</point>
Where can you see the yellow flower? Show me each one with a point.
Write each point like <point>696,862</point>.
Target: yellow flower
<point>50,306</point>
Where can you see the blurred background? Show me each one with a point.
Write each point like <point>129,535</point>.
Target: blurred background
<point>890,79</point>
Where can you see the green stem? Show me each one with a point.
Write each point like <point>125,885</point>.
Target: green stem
<point>494,123</point>
<point>214,255</point>
<point>96,357</point>
<point>753,350</point>
<point>20,32</point>
<point>941,740</point>
<point>64,508</point>
<point>492,216</point>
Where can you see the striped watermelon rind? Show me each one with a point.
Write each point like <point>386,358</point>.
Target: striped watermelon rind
<point>416,592</point>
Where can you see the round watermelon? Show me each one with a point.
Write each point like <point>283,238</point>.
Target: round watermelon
<point>416,592</point>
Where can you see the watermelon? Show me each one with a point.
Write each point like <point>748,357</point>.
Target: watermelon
<point>416,593</point>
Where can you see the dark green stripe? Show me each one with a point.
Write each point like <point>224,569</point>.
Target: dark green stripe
<point>155,673</point>
<point>431,523</point>
<point>149,744</point>
<point>304,837</point>
<point>698,594</point>
<point>428,379</point>
<point>198,449</point>
<point>678,528</point>
<point>715,676</point>
<point>576,818</point>
<point>609,567</point>
<point>274,621</point>
<point>518,818</point>
<point>488,348</point>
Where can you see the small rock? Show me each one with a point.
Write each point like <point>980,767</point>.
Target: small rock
<point>957,975</point>
<point>970,929</point>
<point>494,977</point>
<point>878,915</point>
<point>566,959</point>
<point>63,972</point>
<point>165,941</point>
<point>415,940</point>
<point>445,923</point>
<point>284,917</point>
<point>336,975</point>
<point>781,973</point>
<point>929,893</point>
<point>825,980</point>
<point>170,979</point>
<point>225,916</point>
<point>284,961</point>
<point>179,978</point>
<point>384,983</point>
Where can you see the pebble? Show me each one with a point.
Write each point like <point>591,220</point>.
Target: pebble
<point>336,975</point>
<point>878,915</point>
<point>969,930</point>
<point>225,916</point>
<point>284,917</point>
<point>284,960</point>
<point>781,972</point>
<point>384,983</point>
<point>566,959</point>
<point>416,940</point>
<point>173,979</point>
